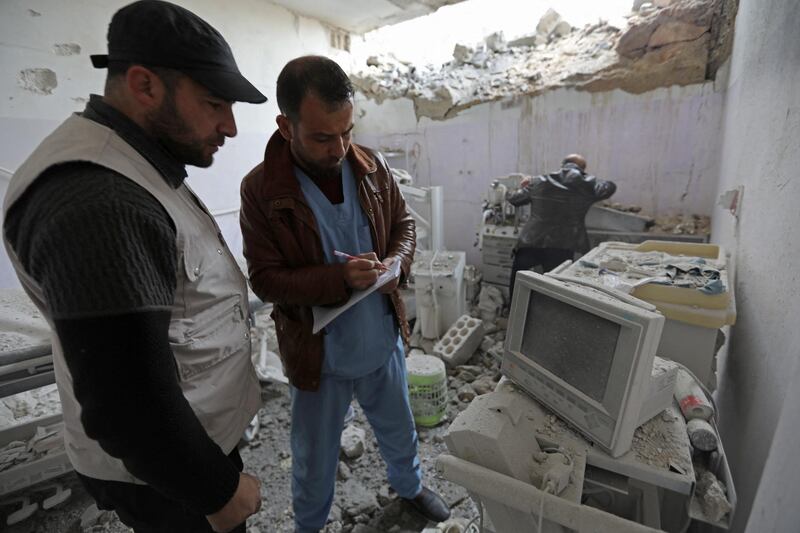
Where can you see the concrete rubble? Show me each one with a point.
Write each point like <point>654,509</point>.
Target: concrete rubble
<point>93,518</point>
<point>459,341</point>
<point>637,221</point>
<point>713,497</point>
<point>670,43</point>
<point>352,441</point>
<point>490,302</point>
<point>683,224</point>
<point>29,405</point>
<point>363,500</point>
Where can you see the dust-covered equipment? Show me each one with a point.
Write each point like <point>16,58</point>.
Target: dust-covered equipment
<point>32,452</point>
<point>690,284</point>
<point>582,433</point>
<point>425,204</point>
<point>501,223</point>
<point>527,470</point>
<point>439,290</point>
<point>585,354</point>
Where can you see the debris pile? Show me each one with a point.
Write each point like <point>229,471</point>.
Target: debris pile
<point>28,405</point>
<point>659,443</point>
<point>622,207</point>
<point>683,225</point>
<point>47,440</point>
<point>679,44</point>
<point>675,224</point>
<point>713,495</point>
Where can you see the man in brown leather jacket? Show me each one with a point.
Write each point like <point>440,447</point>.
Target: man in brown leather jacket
<point>316,192</point>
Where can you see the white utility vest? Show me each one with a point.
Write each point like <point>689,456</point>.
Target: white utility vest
<point>209,332</point>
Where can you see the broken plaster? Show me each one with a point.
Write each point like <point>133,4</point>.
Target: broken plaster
<point>66,49</point>
<point>38,80</point>
<point>678,44</point>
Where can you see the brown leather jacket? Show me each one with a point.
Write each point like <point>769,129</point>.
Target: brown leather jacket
<point>284,252</point>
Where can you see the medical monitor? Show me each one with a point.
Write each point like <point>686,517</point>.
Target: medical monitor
<point>585,354</point>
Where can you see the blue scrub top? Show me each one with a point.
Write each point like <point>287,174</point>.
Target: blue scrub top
<point>361,339</point>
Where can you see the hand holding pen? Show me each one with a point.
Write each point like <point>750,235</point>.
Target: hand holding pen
<point>370,256</point>
<point>361,271</point>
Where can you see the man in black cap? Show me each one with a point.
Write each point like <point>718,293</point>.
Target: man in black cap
<point>149,309</point>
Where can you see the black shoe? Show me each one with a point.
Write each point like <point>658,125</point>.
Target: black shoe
<point>430,505</point>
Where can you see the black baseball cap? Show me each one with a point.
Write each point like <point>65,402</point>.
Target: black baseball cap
<point>160,34</point>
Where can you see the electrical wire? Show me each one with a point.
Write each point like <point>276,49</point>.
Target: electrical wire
<point>433,294</point>
<point>479,517</point>
<point>547,490</point>
<point>560,450</point>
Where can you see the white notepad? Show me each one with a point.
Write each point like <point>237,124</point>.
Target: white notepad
<point>325,315</point>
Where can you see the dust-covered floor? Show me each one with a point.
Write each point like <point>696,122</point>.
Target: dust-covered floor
<point>362,492</point>
<point>363,503</point>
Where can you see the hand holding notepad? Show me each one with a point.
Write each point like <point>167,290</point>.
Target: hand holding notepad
<point>361,271</point>
<point>349,257</point>
<point>325,315</point>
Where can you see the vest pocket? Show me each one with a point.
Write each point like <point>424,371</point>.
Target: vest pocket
<point>211,337</point>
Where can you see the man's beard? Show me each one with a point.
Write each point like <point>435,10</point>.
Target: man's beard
<point>319,171</point>
<point>172,132</point>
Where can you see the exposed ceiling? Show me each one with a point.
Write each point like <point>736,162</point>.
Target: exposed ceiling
<point>361,16</point>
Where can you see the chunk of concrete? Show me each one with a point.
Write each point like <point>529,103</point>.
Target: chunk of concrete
<point>483,385</point>
<point>460,341</point>
<point>548,22</point>
<point>462,53</point>
<point>528,40</point>
<point>562,28</point>
<point>466,393</point>
<point>352,441</point>
<point>343,473</point>
<point>633,43</point>
<point>496,42</point>
<point>356,498</point>
<point>436,103</point>
<point>487,343</point>
<point>93,517</point>
<point>490,302</point>
<point>713,500</point>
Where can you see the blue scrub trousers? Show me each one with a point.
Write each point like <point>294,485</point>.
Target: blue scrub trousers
<point>317,424</point>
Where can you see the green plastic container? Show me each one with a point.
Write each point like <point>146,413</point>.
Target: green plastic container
<point>427,389</point>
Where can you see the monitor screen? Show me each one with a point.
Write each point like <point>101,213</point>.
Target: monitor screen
<point>575,345</point>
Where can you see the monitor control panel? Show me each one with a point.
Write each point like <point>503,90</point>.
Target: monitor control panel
<point>595,425</point>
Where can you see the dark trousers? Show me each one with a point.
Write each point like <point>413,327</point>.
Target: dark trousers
<point>529,258</point>
<point>148,511</point>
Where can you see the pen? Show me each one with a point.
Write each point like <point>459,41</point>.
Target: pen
<point>349,257</point>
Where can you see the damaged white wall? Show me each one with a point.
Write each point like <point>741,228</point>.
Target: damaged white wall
<point>660,147</point>
<point>758,392</point>
<point>47,75</point>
